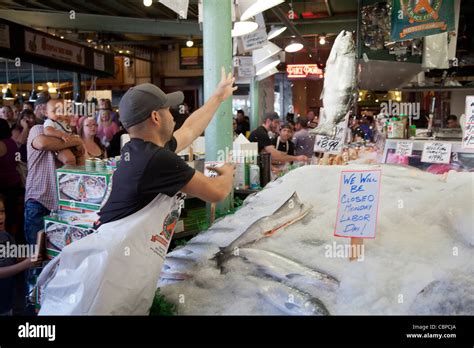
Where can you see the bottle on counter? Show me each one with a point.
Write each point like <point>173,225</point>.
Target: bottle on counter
<point>412,131</point>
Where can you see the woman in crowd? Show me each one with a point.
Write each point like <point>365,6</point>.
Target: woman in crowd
<point>21,130</point>
<point>107,128</point>
<point>10,180</point>
<point>8,115</point>
<point>92,144</point>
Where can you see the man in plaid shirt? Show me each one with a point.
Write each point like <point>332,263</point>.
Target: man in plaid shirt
<point>40,195</point>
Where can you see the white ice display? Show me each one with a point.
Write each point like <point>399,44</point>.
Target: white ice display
<point>421,261</point>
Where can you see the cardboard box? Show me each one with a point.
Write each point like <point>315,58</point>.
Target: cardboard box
<point>62,230</point>
<point>78,188</point>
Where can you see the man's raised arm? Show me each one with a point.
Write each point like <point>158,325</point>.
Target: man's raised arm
<point>197,122</point>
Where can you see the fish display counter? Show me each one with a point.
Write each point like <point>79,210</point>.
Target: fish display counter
<point>279,255</point>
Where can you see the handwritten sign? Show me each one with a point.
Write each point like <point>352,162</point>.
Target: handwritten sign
<point>329,144</point>
<point>468,139</point>
<point>436,153</point>
<point>358,204</point>
<point>245,67</point>
<point>404,148</point>
<point>254,40</point>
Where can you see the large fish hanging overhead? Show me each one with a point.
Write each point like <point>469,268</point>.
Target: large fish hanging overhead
<point>339,83</point>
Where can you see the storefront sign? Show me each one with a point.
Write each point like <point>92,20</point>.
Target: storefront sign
<point>404,148</point>
<point>468,139</point>
<point>190,58</point>
<point>303,70</point>
<point>329,144</point>
<point>53,48</point>
<point>436,153</point>
<point>358,203</point>
<point>412,19</point>
<point>4,36</point>
<point>254,40</point>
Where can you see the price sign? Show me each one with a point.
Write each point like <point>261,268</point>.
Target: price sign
<point>468,138</point>
<point>404,148</point>
<point>436,153</point>
<point>329,144</point>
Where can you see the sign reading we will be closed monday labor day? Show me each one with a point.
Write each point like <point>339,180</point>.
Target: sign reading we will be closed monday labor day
<point>358,204</point>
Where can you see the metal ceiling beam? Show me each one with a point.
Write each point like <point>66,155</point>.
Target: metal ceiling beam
<point>102,23</point>
<point>328,8</point>
<point>282,17</point>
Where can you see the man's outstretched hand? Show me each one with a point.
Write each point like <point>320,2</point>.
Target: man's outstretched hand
<point>225,88</point>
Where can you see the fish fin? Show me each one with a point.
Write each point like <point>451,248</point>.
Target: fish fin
<point>327,128</point>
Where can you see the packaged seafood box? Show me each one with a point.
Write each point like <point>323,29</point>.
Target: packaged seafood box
<point>79,188</point>
<point>64,228</point>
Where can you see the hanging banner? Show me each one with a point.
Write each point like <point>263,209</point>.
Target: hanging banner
<point>99,61</point>
<point>178,6</point>
<point>53,48</point>
<point>418,18</point>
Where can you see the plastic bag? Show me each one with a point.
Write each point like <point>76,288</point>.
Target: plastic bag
<point>116,269</point>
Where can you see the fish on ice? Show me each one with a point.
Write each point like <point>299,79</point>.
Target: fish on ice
<point>290,212</point>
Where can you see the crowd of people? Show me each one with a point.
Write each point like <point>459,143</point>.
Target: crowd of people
<point>35,139</point>
<point>286,142</point>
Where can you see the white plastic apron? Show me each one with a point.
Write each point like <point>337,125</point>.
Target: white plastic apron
<point>113,271</point>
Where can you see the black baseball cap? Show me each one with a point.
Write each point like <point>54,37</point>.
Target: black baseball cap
<point>138,102</point>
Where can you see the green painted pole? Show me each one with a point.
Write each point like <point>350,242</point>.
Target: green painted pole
<point>217,26</point>
<point>254,119</point>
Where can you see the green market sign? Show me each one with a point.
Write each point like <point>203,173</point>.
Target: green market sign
<point>417,18</point>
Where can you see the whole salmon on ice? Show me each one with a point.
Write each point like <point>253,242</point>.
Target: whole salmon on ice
<point>339,83</point>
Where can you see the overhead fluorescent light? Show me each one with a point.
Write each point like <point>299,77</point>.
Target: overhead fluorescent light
<point>275,31</point>
<point>267,51</point>
<point>293,46</point>
<point>266,65</point>
<point>243,28</point>
<point>249,8</point>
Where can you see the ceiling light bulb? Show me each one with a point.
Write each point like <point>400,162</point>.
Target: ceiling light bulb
<point>147,3</point>
<point>322,40</point>
<point>190,43</point>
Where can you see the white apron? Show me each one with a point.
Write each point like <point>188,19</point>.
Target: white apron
<point>115,270</point>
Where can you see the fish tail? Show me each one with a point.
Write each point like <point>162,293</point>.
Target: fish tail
<point>327,128</point>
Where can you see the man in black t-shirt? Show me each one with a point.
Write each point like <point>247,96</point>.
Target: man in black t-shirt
<point>149,164</point>
<point>260,135</point>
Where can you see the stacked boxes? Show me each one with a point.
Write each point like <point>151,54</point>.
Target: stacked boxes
<point>81,193</point>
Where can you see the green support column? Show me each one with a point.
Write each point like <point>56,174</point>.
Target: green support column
<point>217,26</point>
<point>254,119</point>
